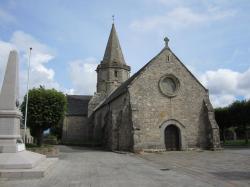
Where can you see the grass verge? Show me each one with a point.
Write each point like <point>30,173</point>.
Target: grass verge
<point>45,149</point>
<point>236,143</point>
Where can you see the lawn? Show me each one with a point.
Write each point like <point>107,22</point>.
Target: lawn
<point>236,143</point>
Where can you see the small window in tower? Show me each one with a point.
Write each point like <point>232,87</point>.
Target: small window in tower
<point>116,73</point>
<point>168,58</point>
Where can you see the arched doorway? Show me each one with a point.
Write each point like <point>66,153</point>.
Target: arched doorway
<point>172,138</point>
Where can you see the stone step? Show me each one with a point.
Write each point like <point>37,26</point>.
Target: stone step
<point>36,172</point>
<point>20,160</point>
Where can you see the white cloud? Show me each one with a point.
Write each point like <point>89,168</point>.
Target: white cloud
<point>226,85</point>
<point>180,17</point>
<point>221,81</point>
<point>70,91</point>
<point>41,55</point>
<point>222,100</point>
<point>23,41</point>
<point>5,17</point>
<point>83,75</point>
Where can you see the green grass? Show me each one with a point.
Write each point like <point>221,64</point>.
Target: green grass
<point>236,143</point>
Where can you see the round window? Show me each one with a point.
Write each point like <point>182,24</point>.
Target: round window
<point>169,85</point>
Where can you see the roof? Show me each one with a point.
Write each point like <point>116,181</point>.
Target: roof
<point>124,86</point>
<point>113,52</point>
<point>77,105</point>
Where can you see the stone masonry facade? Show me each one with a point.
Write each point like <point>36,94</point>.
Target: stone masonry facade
<point>152,111</point>
<point>162,106</point>
<point>142,113</point>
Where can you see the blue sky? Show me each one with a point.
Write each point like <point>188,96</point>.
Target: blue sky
<point>211,37</point>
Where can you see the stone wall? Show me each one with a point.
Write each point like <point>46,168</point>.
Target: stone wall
<point>113,126</point>
<point>136,120</point>
<point>151,109</point>
<point>214,136</point>
<point>75,130</point>
<point>95,101</point>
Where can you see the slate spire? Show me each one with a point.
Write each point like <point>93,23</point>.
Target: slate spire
<point>113,52</point>
<point>112,71</point>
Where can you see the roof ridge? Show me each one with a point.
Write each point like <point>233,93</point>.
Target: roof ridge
<point>123,87</point>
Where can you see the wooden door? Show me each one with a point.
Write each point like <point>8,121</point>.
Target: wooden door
<point>172,138</point>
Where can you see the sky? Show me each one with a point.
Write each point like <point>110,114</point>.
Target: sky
<point>68,39</point>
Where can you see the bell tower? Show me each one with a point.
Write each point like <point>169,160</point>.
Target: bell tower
<point>111,72</point>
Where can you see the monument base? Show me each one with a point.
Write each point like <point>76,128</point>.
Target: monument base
<point>20,160</point>
<point>10,131</point>
<point>20,147</point>
<point>24,164</point>
<point>8,146</point>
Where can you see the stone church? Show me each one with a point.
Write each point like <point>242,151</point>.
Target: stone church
<point>161,107</point>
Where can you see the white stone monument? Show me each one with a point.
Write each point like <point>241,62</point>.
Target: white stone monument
<point>10,139</point>
<point>15,161</point>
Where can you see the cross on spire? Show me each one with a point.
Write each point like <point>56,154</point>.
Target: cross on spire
<point>113,19</point>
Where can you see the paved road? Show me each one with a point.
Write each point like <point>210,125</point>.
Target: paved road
<point>80,167</point>
<point>229,167</point>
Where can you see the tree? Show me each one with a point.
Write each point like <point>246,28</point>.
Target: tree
<point>57,130</point>
<point>223,119</point>
<point>46,108</point>
<point>235,115</point>
<point>247,108</point>
<point>241,116</point>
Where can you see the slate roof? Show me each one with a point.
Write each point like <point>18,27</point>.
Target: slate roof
<point>113,51</point>
<point>124,86</point>
<point>77,105</point>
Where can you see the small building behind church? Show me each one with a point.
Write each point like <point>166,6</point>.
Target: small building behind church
<point>75,129</point>
<point>162,106</point>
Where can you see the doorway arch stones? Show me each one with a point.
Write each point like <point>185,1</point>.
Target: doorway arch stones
<point>182,130</point>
